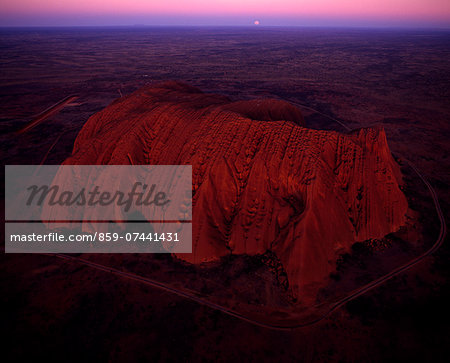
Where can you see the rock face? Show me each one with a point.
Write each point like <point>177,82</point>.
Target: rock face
<point>261,179</point>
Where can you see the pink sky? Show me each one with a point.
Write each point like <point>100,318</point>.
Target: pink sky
<point>412,11</point>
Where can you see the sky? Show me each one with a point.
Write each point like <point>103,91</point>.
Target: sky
<point>384,13</point>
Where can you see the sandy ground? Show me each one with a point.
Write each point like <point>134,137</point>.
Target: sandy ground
<point>397,79</point>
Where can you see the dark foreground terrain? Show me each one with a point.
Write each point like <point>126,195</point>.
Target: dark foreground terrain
<point>400,80</point>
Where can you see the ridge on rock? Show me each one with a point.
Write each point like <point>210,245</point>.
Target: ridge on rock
<point>261,180</point>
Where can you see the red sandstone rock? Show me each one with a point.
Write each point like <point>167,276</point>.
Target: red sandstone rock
<point>261,180</point>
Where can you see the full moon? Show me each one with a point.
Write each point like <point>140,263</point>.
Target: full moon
<point>256,22</point>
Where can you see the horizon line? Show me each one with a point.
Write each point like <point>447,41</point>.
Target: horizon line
<point>252,26</point>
